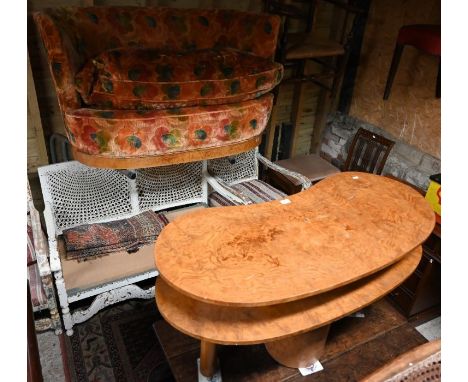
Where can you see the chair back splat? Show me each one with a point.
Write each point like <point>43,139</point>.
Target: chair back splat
<point>368,152</point>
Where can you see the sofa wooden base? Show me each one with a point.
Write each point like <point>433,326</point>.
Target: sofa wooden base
<point>103,161</point>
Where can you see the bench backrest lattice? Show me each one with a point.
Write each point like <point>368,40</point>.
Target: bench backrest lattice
<point>234,169</point>
<point>75,194</point>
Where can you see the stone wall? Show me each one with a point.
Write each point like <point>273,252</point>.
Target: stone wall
<point>405,162</point>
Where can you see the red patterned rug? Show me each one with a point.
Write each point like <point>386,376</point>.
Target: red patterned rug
<point>118,344</point>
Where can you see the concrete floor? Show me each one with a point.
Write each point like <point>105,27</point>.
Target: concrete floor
<point>51,358</point>
<point>431,329</point>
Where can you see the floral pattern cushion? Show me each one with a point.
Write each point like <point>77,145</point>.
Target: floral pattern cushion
<point>121,133</point>
<point>135,78</point>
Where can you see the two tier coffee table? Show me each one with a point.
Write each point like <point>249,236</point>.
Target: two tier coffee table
<point>281,272</point>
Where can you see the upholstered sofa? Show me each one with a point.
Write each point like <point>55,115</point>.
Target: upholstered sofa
<point>147,86</point>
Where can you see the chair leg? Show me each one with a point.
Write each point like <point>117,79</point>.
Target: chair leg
<point>393,69</point>
<point>63,299</point>
<point>438,83</point>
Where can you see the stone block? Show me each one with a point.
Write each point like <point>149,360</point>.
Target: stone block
<point>412,155</point>
<point>430,164</point>
<point>327,150</point>
<point>344,131</point>
<point>417,177</point>
<point>327,134</point>
<point>396,165</point>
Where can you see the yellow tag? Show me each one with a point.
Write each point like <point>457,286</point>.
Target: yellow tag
<point>433,196</point>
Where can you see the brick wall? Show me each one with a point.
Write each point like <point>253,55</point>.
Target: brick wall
<point>405,162</point>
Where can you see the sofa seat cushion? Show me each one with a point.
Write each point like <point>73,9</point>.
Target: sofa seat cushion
<point>255,190</point>
<point>138,78</point>
<point>129,133</point>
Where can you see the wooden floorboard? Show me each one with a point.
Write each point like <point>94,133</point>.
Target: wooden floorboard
<point>355,347</point>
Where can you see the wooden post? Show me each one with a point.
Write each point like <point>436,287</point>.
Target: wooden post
<point>34,363</point>
<point>297,109</point>
<point>208,364</point>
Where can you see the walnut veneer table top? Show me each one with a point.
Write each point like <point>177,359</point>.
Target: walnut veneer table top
<point>346,227</point>
<point>251,325</point>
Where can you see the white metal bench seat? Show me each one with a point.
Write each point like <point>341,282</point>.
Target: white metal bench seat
<point>75,194</point>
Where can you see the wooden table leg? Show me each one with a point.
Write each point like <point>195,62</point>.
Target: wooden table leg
<point>301,350</point>
<point>208,364</point>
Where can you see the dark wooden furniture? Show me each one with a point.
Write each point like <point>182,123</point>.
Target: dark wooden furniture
<point>423,37</point>
<point>421,291</point>
<point>368,152</point>
<point>295,49</point>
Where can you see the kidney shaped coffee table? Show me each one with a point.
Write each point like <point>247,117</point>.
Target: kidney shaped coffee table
<point>280,272</point>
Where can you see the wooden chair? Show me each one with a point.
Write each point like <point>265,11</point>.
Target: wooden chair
<point>423,37</point>
<point>295,49</point>
<point>368,152</point>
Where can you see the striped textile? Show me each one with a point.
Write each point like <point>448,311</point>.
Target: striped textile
<point>31,253</point>
<point>255,190</point>
<point>38,295</point>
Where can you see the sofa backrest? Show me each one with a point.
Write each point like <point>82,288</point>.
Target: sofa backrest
<point>72,35</point>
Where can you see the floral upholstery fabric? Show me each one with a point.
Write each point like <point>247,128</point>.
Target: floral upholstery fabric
<point>136,78</point>
<point>152,132</point>
<point>112,120</point>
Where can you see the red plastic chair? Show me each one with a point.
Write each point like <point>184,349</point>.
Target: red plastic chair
<point>423,37</point>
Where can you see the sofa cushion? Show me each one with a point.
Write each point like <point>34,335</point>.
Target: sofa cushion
<point>255,190</point>
<point>90,240</point>
<point>138,78</point>
<point>127,133</point>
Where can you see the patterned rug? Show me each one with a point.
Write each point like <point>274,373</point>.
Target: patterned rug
<point>118,344</point>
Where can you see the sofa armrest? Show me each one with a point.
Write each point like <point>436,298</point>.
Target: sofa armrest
<point>224,189</point>
<point>63,60</point>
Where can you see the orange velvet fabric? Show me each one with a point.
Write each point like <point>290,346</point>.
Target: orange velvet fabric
<point>110,119</point>
<point>126,133</point>
<point>136,78</point>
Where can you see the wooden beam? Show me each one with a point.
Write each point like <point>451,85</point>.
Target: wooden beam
<point>349,77</point>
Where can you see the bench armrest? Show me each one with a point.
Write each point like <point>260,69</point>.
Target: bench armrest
<point>305,182</point>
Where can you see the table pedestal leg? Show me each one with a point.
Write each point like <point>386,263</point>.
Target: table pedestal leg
<point>208,364</point>
<point>301,350</point>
